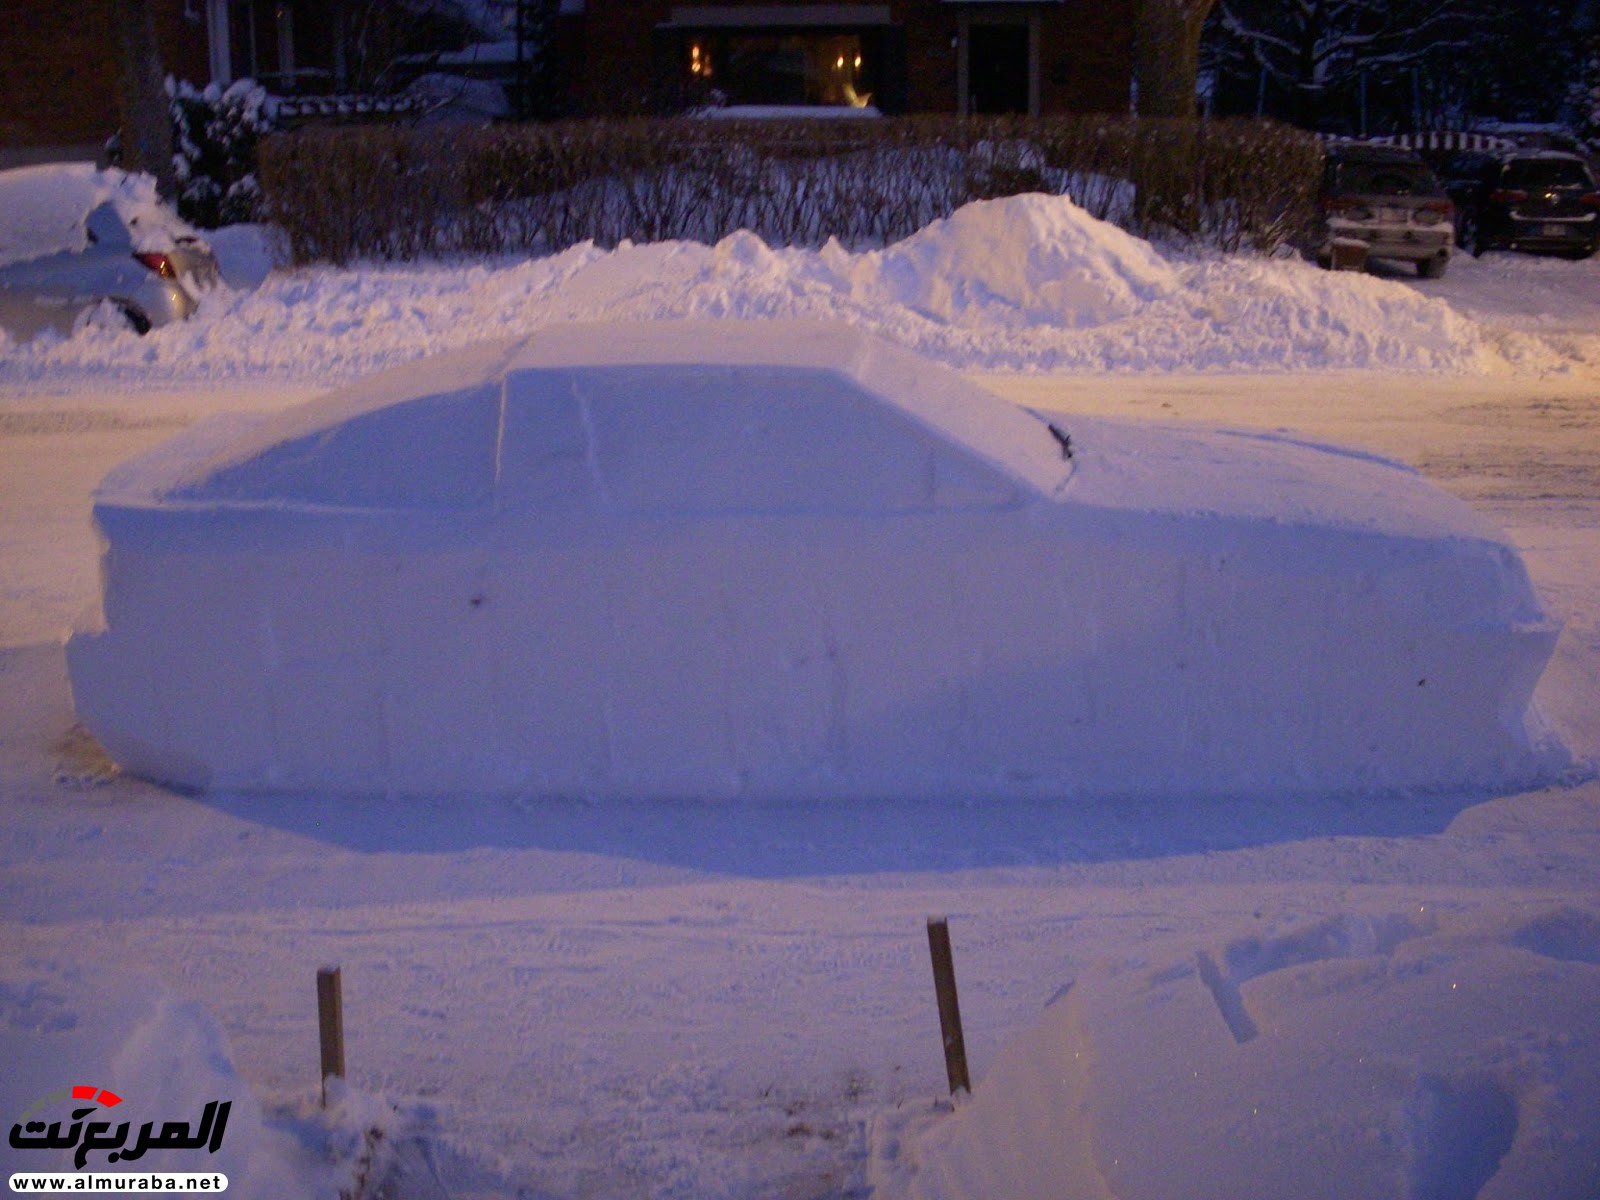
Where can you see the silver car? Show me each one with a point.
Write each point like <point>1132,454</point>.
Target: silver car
<point>109,278</point>
<point>1388,203</point>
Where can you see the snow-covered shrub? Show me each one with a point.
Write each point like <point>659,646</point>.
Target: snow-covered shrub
<point>215,132</point>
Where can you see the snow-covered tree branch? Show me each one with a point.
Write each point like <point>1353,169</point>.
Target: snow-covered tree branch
<point>1311,47</point>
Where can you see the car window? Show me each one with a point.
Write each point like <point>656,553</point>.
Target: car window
<point>1475,167</point>
<point>1547,173</point>
<point>435,452</point>
<point>105,228</point>
<point>1387,179</point>
<point>726,440</point>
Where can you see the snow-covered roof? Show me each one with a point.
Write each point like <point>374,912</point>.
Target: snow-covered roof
<point>42,209</point>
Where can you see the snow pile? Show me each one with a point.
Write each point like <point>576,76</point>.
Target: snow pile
<point>1386,1055</point>
<point>1029,283</point>
<point>1011,264</point>
<point>787,560</point>
<point>1262,314</point>
<point>445,97</point>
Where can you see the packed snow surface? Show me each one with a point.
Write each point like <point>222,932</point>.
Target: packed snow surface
<point>1360,1055</point>
<point>1279,996</point>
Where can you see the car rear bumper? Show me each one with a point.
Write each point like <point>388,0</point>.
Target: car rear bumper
<point>1409,246</point>
<point>1553,234</point>
<point>163,301</point>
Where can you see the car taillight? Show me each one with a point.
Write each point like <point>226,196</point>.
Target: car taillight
<point>1343,206</point>
<point>1435,211</point>
<point>1592,199</point>
<point>1508,196</point>
<point>159,263</point>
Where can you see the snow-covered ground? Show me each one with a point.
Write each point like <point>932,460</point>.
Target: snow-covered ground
<point>1388,995</point>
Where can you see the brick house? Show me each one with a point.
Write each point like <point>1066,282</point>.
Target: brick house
<point>966,56</point>
<point>59,90</point>
<point>59,94</point>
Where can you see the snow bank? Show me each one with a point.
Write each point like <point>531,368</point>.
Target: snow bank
<point>1386,1055</point>
<point>1027,283</point>
<point>788,560</point>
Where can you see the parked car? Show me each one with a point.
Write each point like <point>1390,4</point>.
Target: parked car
<point>76,247</point>
<point>1385,199</point>
<point>1544,201</point>
<point>784,559</point>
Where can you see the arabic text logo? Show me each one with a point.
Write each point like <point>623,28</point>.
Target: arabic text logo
<point>36,1134</point>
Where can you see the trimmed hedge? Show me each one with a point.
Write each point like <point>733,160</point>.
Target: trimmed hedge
<point>384,192</point>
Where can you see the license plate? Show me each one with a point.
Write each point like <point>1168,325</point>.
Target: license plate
<point>1553,230</point>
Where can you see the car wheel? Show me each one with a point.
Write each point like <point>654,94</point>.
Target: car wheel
<point>113,315</point>
<point>1469,235</point>
<point>1432,268</point>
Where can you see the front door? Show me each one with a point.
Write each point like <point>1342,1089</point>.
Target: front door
<point>997,68</point>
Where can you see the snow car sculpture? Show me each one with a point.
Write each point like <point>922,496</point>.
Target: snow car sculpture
<point>786,559</point>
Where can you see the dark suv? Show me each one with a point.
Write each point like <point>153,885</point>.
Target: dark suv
<point>1539,200</point>
<point>1387,200</point>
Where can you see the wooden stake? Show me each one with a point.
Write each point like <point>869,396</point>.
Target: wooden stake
<point>944,989</point>
<point>330,1025</point>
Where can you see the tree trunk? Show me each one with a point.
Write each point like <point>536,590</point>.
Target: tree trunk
<point>1166,70</point>
<point>1166,63</point>
<point>142,95</point>
<point>538,93</point>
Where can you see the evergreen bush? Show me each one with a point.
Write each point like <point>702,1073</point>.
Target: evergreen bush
<point>215,135</point>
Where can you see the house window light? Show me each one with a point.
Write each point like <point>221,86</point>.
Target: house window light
<point>825,68</point>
